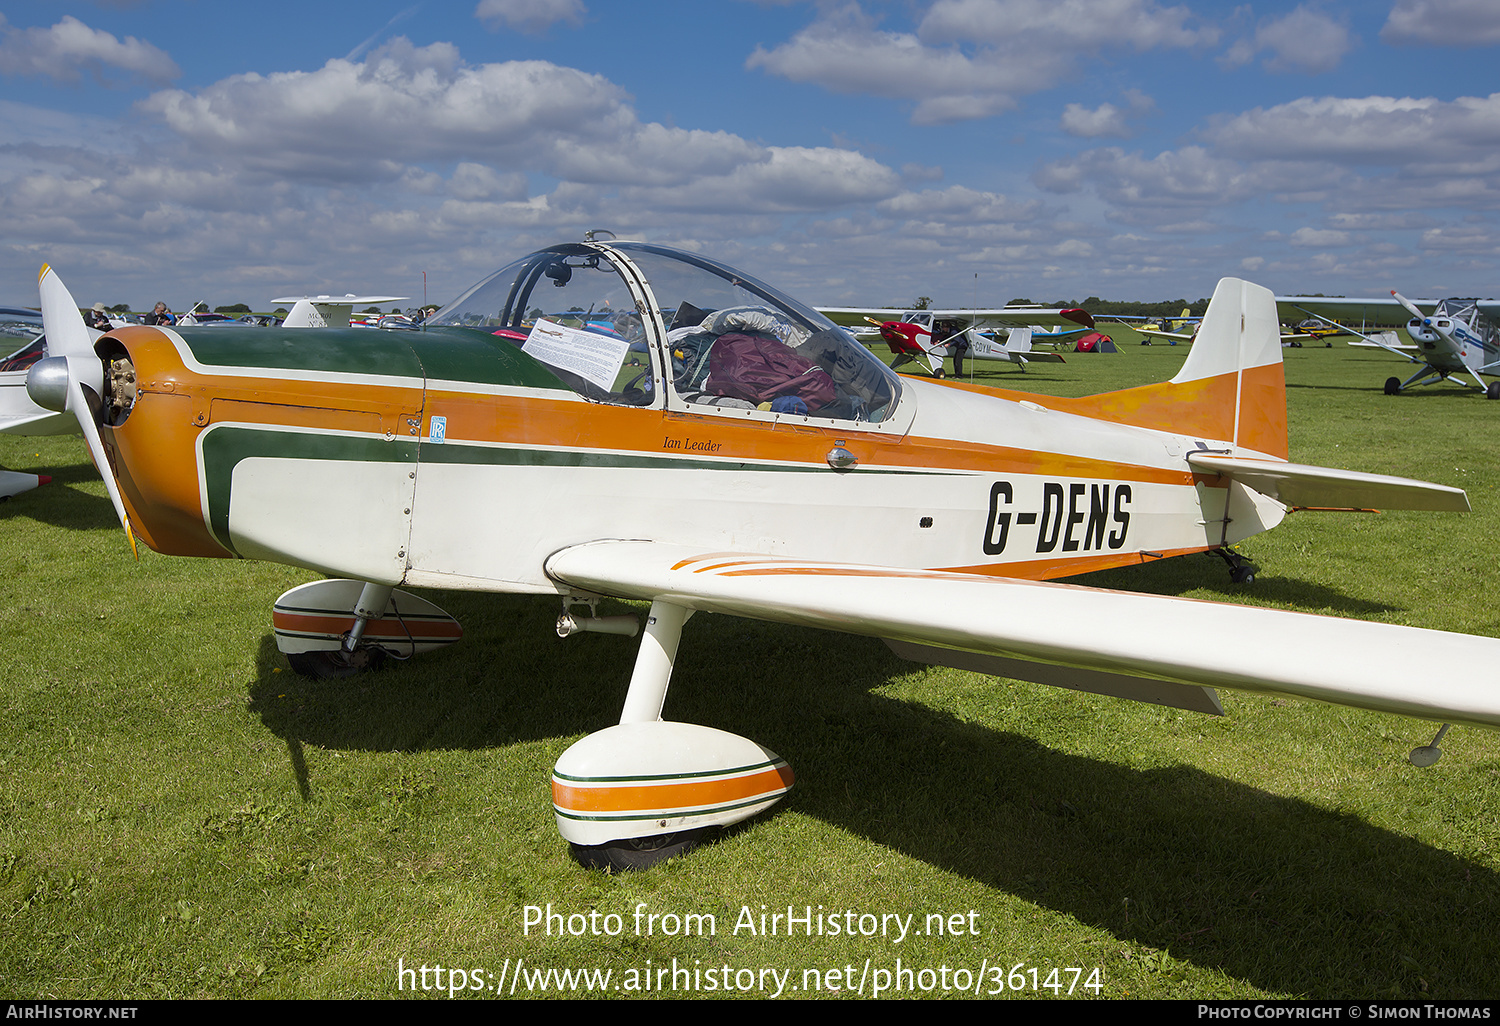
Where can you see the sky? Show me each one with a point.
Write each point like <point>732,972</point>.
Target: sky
<point>851,152</point>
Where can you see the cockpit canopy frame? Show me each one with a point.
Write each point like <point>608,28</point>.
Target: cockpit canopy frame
<point>635,323</point>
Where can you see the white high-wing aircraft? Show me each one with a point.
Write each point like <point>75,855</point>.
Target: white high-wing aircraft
<point>759,463</point>
<point>931,336</point>
<point>18,414</point>
<point>327,311</point>
<point>1454,338</point>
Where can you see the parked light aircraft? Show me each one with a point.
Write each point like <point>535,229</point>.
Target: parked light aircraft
<point>931,336</point>
<point>327,311</point>
<point>911,341</point>
<point>20,416</point>
<point>1455,338</point>
<point>1168,330</point>
<point>761,464</point>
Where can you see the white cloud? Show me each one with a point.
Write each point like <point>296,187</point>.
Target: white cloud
<point>1190,176</point>
<point>959,204</point>
<point>1462,238</point>
<point>1141,24</point>
<point>1305,40</point>
<point>788,179</point>
<point>1370,129</point>
<point>431,107</point>
<point>1443,23</point>
<point>530,15</point>
<point>62,51</point>
<point>845,53</point>
<point>1319,237</point>
<point>1014,48</point>
<point>423,100</point>
<point>472,181</point>
<point>1106,119</point>
<point>408,161</point>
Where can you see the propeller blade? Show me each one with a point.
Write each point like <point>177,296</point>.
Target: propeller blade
<point>1410,306</point>
<point>68,339</point>
<point>67,335</point>
<point>1428,322</point>
<point>85,414</point>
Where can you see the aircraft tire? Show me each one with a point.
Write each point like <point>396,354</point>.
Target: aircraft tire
<point>1493,391</point>
<point>1242,575</point>
<point>333,666</point>
<point>939,374</point>
<point>635,853</point>
<point>1392,386</point>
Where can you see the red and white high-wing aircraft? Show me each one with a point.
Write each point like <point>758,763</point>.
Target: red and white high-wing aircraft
<point>1455,338</point>
<point>932,336</point>
<point>729,449</point>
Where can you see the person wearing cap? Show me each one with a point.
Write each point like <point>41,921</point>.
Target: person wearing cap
<point>97,318</point>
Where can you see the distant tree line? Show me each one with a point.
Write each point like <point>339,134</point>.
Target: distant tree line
<point>1104,308</point>
<point>1098,307</point>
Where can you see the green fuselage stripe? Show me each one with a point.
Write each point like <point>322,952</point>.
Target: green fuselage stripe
<point>441,354</point>
<point>224,448</point>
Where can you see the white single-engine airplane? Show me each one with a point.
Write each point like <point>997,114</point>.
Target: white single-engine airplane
<point>931,336</point>
<point>1454,337</point>
<point>326,311</point>
<point>761,463</point>
<point>20,416</point>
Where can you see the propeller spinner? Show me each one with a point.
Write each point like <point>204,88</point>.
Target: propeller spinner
<point>72,379</point>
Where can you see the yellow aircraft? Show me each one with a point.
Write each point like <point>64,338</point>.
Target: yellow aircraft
<point>713,444</point>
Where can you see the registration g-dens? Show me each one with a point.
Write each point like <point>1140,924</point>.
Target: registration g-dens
<point>516,445</point>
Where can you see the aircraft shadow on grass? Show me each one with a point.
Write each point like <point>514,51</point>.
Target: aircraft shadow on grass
<point>1365,387</point>
<point>1217,873</point>
<point>1180,576</point>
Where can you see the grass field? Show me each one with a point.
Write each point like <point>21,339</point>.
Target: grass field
<point>180,816</point>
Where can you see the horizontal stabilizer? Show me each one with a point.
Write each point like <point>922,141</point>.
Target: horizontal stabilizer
<point>1295,484</point>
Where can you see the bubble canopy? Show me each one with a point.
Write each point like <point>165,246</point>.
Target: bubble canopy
<point>616,319</point>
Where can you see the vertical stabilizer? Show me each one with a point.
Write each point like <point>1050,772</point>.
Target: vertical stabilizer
<point>304,315</point>
<point>1239,346</point>
<point>1230,389</point>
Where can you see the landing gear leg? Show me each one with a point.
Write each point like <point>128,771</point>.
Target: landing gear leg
<point>643,704</point>
<point>350,659</point>
<point>1241,570</point>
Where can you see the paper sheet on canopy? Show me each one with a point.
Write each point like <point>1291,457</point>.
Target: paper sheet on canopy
<point>594,357</point>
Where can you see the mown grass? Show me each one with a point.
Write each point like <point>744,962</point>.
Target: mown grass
<point>180,816</point>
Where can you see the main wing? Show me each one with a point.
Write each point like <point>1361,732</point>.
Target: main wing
<point>1368,313</point>
<point>1084,638</point>
<point>1009,316</point>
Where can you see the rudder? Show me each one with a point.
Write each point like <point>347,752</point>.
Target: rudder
<point>1231,387</point>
